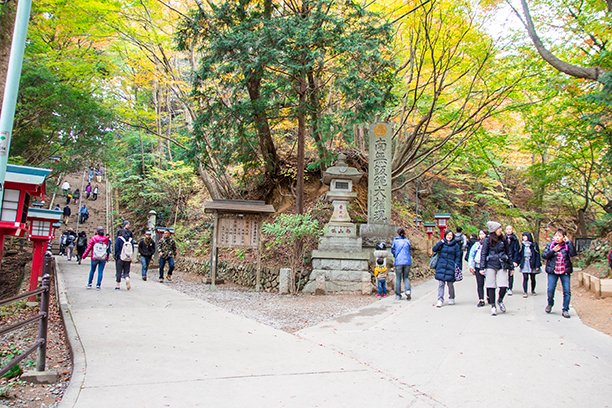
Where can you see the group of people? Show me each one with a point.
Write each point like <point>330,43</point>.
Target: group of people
<point>100,247</point>
<point>493,257</point>
<point>83,214</point>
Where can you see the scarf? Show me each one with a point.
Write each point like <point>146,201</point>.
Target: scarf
<point>560,264</point>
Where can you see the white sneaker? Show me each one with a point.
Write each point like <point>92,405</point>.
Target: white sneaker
<point>408,295</point>
<point>493,311</point>
<point>509,292</point>
<point>440,303</point>
<point>451,301</point>
<point>127,282</point>
<point>502,307</point>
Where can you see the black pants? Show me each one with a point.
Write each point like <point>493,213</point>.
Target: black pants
<point>480,282</point>
<point>526,277</point>
<point>510,279</point>
<point>491,295</point>
<point>123,269</point>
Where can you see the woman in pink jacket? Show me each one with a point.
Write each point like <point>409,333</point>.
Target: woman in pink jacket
<point>98,245</point>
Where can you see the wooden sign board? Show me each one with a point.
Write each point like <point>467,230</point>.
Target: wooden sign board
<point>234,232</point>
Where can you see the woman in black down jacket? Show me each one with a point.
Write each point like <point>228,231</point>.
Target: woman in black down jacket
<point>494,260</point>
<point>449,259</point>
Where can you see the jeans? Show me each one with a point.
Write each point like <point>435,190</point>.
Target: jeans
<point>162,263</point>
<point>552,285</point>
<point>382,287</point>
<point>100,265</point>
<point>451,290</point>
<point>401,273</point>
<point>144,263</point>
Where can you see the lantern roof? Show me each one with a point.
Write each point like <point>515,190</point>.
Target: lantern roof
<point>26,175</point>
<point>443,215</point>
<point>51,215</point>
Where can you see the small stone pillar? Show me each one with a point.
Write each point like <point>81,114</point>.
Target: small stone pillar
<point>320,284</point>
<point>284,280</point>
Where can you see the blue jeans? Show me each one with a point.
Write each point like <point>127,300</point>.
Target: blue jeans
<point>401,274</point>
<point>144,263</point>
<point>100,265</point>
<point>162,263</point>
<point>552,285</point>
<point>382,287</point>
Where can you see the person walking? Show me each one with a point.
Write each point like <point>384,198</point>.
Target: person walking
<point>99,247</point>
<point>90,174</point>
<point>474,257</point>
<point>531,262</point>
<point>146,249</point>
<point>70,244</point>
<point>81,245</point>
<point>87,190</point>
<point>66,214</point>
<point>125,229</point>
<point>68,196</point>
<point>449,260</point>
<point>559,265</point>
<point>515,248</point>
<point>494,260</point>
<point>99,175</point>
<point>167,250</point>
<point>83,214</point>
<point>76,195</point>
<point>94,194</point>
<point>403,261</point>
<point>65,187</point>
<point>473,239</point>
<point>380,273</point>
<point>124,250</point>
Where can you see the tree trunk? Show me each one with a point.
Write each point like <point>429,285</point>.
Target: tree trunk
<point>301,116</point>
<point>582,229</point>
<point>316,133</point>
<point>266,144</point>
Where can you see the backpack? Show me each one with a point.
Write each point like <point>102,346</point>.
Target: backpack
<point>127,250</point>
<point>99,251</point>
<point>610,258</point>
<point>82,242</point>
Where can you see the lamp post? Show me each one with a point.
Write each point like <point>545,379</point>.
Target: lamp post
<point>429,227</point>
<point>442,220</point>
<point>547,228</point>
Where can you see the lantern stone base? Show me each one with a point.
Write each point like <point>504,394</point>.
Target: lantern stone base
<point>343,271</point>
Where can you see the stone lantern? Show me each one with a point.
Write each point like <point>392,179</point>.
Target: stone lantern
<point>340,264</point>
<point>442,220</point>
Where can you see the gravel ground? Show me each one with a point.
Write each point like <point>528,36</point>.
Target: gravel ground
<point>289,313</point>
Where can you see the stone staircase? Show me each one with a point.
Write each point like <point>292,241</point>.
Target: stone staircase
<point>97,208</point>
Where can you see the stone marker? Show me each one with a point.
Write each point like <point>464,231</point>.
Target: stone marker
<point>284,280</point>
<point>40,377</point>
<point>320,285</point>
<point>379,228</point>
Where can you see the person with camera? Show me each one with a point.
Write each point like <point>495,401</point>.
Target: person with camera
<point>495,261</point>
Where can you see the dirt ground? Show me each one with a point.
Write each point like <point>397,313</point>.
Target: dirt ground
<point>594,312</point>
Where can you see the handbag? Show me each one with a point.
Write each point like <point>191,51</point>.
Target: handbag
<point>458,274</point>
<point>433,262</point>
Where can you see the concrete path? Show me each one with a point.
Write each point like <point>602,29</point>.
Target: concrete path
<point>155,347</point>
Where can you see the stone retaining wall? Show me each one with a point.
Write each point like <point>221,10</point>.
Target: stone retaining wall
<point>241,274</point>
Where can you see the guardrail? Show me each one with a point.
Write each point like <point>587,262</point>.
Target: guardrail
<point>42,317</point>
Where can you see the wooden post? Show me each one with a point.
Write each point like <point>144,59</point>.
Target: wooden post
<point>258,281</point>
<point>213,250</point>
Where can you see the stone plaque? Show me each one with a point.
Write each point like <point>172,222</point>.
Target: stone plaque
<point>379,175</point>
<point>234,232</point>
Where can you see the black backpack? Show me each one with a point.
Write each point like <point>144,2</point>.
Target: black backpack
<point>82,241</point>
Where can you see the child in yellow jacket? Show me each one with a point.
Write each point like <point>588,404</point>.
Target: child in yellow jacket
<point>380,272</point>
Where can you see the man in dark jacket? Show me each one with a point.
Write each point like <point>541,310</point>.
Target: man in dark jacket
<point>125,230</point>
<point>515,251</point>
<point>167,251</point>
<point>66,214</point>
<point>146,248</point>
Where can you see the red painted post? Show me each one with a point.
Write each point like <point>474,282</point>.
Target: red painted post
<point>37,263</point>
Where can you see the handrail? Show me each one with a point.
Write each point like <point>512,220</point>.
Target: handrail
<point>42,317</point>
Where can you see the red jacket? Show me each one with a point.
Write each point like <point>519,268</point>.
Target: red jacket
<point>93,241</point>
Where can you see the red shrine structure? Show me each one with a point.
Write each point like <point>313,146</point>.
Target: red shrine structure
<point>43,224</point>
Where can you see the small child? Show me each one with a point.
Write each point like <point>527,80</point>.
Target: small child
<point>380,272</point>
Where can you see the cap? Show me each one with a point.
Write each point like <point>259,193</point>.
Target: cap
<point>148,233</point>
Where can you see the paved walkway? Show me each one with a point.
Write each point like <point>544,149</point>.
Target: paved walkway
<point>155,347</point>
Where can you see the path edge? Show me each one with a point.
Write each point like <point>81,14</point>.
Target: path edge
<point>79,362</point>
